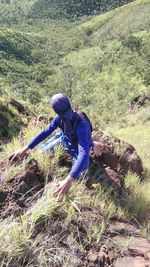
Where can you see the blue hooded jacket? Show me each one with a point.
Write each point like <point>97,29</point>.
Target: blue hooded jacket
<point>78,136</point>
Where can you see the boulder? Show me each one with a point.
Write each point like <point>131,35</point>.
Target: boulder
<point>100,257</point>
<point>30,181</point>
<point>131,262</point>
<point>139,101</point>
<point>16,104</point>
<point>122,228</point>
<point>139,247</point>
<point>17,193</point>
<point>119,155</point>
<point>136,249</point>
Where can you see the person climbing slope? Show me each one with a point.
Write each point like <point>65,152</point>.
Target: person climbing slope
<point>74,136</point>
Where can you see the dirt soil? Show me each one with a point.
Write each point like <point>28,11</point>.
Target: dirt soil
<point>16,194</point>
<point>121,244</point>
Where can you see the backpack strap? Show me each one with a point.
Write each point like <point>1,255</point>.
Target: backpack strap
<point>84,115</point>
<point>80,115</point>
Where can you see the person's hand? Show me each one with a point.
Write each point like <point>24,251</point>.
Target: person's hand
<point>18,154</point>
<point>64,187</point>
<point>98,148</point>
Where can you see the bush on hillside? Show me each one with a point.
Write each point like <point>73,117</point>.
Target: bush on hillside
<point>54,9</point>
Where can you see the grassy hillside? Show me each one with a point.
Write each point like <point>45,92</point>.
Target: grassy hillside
<point>101,62</point>
<point>71,9</point>
<point>123,21</point>
<point>40,57</point>
<point>80,223</point>
<point>133,134</point>
<point>13,12</point>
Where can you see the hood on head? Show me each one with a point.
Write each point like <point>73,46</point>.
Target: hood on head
<point>61,105</point>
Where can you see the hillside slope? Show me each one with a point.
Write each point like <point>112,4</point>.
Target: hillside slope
<point>59,9</point>
<point>13,12</point>
<point>123,21</point>
<point>102,59</point>
<point>112,66</point>
<point>102,63</point>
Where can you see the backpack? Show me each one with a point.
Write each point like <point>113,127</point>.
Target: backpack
<point>83,115</point>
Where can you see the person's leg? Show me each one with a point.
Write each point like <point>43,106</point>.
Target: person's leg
<point>52,142</point>
<point>59,139</point>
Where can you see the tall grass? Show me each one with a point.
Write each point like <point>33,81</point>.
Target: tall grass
<point>138,204</point>
<point>138,136</point>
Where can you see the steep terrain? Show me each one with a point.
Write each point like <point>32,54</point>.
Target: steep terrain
<point>100,224</point>
<point>71,9</point>
<point>115,45</point>
<point>101,61</point>
<point>50,9</point>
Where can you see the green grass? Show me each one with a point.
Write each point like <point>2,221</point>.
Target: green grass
<point>94,23</point>
<point>102,63</point>
<point>123,21</point>
<point>139,202</point>
<point>138,136</point>
<point>19,231</point>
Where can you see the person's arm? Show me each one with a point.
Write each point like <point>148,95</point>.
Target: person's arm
<point>44,133</point>
<point>84,139</point>
<point>36,140</point>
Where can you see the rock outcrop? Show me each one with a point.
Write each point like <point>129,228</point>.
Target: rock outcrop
<point>16,104</point>
<point>16,193</point>
<point>114,160</point>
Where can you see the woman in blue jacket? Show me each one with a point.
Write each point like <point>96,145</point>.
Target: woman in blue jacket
<point>75,136</point>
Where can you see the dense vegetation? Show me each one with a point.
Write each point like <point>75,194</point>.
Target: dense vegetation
<point>101,60</point>
<point>71,9</point>
<point>54,9</point>
<point>105,55</point>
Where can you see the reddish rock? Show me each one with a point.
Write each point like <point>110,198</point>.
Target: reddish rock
<point>117,228</point>
<point>135,164</point>
<point>131,262</point>
<point>139,101</point>
<point>139,246</point>
<point>92,256</point>
<point>100,258</point>
<point>119,155</point>
<point>19,189</point>
<point>115,177</point>
<point>121,241</point>
<point>147,256</point>
<point>110,159</point>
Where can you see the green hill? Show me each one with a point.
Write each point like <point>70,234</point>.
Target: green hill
<point>102,63</point>
<point>12,11</point>
<point>123,21</point>
<point>59,9</point>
